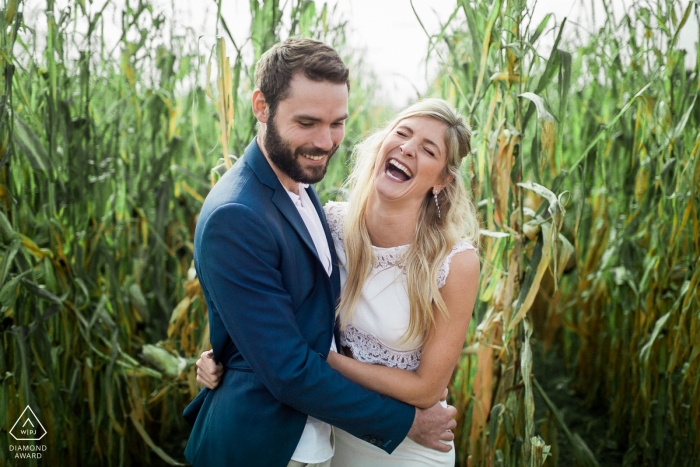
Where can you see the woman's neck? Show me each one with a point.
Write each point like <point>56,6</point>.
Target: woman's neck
<point>390,224</point>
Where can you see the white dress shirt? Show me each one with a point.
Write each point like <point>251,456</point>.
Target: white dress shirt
<point>315,443</point>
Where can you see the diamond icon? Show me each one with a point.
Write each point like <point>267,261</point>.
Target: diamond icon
<point>28,427</point>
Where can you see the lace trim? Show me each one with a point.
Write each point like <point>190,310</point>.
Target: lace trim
<point>385,257</point>
<point>388,257</point>
<point>368,349</point>
<point>444,270</point>
<point>335,213</point>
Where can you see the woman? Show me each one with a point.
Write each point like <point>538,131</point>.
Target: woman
<point>409,270</point>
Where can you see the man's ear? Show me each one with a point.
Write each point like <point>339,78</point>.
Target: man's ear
<point>260,107</point>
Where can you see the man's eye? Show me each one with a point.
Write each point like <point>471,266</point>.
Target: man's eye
<point>401,133</point>
<point>305,124</point>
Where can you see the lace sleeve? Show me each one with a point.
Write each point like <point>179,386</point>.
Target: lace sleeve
<point>444,270</point>
<point>335,215</point>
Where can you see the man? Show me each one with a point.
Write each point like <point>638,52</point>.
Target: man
<point>264,258</point>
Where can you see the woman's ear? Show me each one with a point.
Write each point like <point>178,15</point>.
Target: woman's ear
<point>260,107</point>
<point>446,180</point>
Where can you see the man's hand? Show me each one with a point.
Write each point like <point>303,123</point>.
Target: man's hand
<point>209,372</point>
<point>433,425</point>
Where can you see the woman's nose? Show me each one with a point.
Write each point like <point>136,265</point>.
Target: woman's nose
<point>408,149</point>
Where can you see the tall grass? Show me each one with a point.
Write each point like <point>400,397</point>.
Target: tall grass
<point>608,123</point>
<point>632,315</point>
<point>585,171</point>
<point>104,168</point>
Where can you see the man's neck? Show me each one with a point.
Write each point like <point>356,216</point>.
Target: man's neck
<point>285,180</point>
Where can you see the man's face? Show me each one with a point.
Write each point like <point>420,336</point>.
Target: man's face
<point>307,128</point>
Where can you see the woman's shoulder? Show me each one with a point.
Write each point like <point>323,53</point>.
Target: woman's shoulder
<point>462,259</point>
<point>335,214</point>
<point>335,207</point>
<point>463,244</point>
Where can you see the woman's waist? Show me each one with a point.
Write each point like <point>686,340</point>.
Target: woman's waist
<point>368,348</point>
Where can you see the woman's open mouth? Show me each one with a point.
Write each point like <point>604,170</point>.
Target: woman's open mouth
<point>397,171</point>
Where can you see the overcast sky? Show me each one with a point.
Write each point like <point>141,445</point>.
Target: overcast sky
<point>387,31</point>
<point>396,44</point>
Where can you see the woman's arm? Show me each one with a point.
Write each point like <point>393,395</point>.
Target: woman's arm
<point>424,387</point>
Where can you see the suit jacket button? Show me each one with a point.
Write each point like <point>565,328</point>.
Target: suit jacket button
<point>366,437</point>
<point>373,441</point>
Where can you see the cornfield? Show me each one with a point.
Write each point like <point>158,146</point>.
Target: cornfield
<point>585,170</point>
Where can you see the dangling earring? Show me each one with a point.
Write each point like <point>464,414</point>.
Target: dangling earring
<point>435,193</point>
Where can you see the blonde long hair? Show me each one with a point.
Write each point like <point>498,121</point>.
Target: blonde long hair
<point>434,236</point>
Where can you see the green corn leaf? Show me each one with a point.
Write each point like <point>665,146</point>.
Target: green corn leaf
<point>8,257</point>
<point>41,292</point>
<point>139,301</point>
<point>7,233</point>
<point>564,83</point>
<point>31,147</point>
<point>645,351</point>
<point>543,113</point>
<point>8,292</point>
<point>540,28</point>
<point>531,284</point>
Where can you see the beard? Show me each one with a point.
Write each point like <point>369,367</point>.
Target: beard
<point>281,154</point>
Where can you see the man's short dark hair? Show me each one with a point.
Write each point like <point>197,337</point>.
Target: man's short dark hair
<point>314,59</point>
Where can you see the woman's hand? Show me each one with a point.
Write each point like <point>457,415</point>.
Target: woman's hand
<point>208,371</point>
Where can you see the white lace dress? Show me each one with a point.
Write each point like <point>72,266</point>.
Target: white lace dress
<point>379,322</point>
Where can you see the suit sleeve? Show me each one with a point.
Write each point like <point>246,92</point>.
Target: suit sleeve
<point>239,267</point>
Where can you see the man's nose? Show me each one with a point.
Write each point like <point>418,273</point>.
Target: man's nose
<point>324,139</point>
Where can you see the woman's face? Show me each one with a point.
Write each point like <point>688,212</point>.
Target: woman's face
<point>412,160</point>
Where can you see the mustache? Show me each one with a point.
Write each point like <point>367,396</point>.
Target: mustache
<point>313,151</point>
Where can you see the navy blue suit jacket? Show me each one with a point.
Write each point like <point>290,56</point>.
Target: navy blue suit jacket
<point>271,316</point>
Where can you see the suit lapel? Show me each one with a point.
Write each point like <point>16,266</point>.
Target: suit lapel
<point>257,162</point>
<point>289,211</point>
<point>335,274</point>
